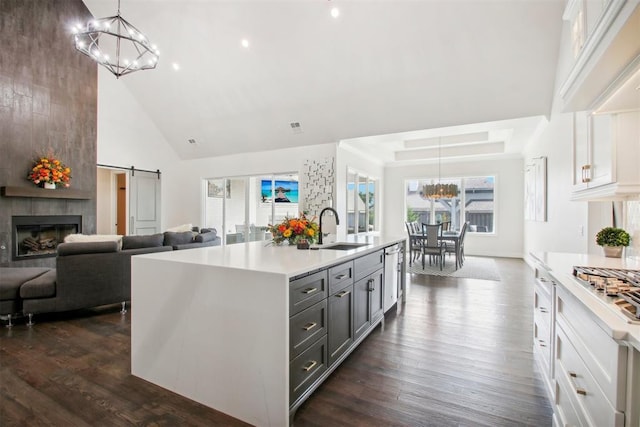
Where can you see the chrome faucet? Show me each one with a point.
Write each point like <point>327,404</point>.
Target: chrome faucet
<point>320,220</point>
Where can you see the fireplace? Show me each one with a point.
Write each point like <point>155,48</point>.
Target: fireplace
<point>39,236</point>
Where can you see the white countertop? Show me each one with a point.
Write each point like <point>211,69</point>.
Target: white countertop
<point>560,265</point>
<point>265,257</point>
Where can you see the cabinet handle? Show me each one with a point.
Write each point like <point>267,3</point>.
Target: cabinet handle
<point>310,366</point>
<point>371,284</point>
<point>542,343</point>
<point>310,290</point>
<point>309,326</point>
<point>543,309</point>
<point>343,294</point>
<point>341,276</point>
<point>579,390</point>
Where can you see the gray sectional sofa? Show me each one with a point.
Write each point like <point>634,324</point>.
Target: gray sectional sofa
<point>87,274</point>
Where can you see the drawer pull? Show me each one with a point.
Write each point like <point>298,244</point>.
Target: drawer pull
<point>309,326</point>
<point>343,294</point>
<point>310,366</point>
<point>543,310</point>
<point>542,343</point>
<point>310,290</point>
<point>341,276</point>
<point>581,391</point>
<point>573,374</point>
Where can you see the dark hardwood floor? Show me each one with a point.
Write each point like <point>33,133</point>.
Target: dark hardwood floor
<point>457,354</point>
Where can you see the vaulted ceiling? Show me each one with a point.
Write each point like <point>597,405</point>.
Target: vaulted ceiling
<point>391,69</point>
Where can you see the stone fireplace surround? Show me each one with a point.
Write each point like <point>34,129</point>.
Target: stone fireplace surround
<point>48,102</point>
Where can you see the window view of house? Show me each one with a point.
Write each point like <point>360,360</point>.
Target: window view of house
<point>474,203</point>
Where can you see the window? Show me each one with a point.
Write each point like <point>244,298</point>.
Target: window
<point>241,208</point>
<point>361,203</point>
<point>474,204</point>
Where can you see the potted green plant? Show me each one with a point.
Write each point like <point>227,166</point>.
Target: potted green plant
<point>612,240</point>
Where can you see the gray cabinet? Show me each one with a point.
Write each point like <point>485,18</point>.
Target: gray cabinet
<point>368,302</point>
<point>331,311</point>
<point>340,306</point>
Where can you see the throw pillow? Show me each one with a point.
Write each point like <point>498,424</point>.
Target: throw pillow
<point>173,239</point>
<point>136,242</point>
<point>180,228</point>
<point>71,238</point>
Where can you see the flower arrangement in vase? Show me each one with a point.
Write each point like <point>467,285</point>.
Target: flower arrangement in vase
<point>49,171</point>
<point>293,230</point>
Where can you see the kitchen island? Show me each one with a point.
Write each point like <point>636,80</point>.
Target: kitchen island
<point>252,329</point>
<point>587,347</point>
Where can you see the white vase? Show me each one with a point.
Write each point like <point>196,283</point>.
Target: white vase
<point>613,251</point>
<point>50,185</point>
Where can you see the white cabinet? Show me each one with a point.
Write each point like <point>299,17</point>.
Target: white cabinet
<point>590,367</point>
<point>544,327</point>
<point>606,152</point>
<point>602,43</point>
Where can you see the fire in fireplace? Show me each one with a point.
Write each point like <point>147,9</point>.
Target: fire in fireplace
<point>39,236</point>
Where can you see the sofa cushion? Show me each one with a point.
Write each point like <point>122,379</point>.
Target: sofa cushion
<point>205,237</point>
<point>82,248</point>
<point>209,230</point>
<point>148,241</point>
<point>172,238</point>
<point>43,286</point>
<point>12,278</point>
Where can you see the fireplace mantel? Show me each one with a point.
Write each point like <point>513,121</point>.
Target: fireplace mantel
<point>63,193</point>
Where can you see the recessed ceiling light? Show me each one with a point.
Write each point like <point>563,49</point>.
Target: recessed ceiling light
<point>245,43</point>
<point>335,12</point>
<point>175,66</point>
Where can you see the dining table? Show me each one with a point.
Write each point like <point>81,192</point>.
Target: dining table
<point>449,236</point>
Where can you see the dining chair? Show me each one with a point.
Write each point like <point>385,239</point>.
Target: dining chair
<point>415,246</point>
<point>463,233</point>
<point>432,246</point>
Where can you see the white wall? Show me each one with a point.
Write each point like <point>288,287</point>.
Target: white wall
<point>566,228</point>
<point>104,211</point>
<point>184,200</point>
<point>127,136</point>
<point>509,201</point>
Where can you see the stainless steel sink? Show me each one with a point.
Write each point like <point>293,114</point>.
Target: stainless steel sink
<point>343,246</point>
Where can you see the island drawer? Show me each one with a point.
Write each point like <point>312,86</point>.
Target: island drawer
<point>367,264</point>
<point>306,291</point>
<point>306,327</point>
<point>305,369</point>
<point>340,276</point>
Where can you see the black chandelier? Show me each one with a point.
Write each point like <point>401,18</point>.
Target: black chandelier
<point>116,45</point>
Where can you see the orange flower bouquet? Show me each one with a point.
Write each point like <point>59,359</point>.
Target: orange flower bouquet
<point>294,229</point>
<point>48,169</point>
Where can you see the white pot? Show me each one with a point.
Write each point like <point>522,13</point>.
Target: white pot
<point>613,251</point>
<point>50,185</point>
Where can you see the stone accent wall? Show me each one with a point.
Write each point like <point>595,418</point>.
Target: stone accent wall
<point>319,184</point>
<point>48,100</point>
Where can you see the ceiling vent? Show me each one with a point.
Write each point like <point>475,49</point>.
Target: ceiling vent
<point>295,127</point>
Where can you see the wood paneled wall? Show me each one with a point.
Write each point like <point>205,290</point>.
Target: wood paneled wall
<point>48,101</point>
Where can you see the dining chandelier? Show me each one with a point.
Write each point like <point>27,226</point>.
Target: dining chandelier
<point>439,190</point>
<point>116,45</point>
